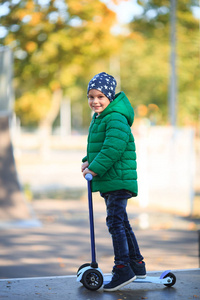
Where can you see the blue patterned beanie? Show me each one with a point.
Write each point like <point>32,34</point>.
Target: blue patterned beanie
<point>104,83</point>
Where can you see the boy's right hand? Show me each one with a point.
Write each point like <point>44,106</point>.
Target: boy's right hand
<point>84,166</point>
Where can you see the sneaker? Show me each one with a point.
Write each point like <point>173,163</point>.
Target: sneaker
<point>121,277</point>
<point>138,268</point>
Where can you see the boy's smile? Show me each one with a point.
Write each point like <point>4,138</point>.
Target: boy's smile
<point>97,101</point>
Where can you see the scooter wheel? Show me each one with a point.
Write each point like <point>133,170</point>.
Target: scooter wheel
<point>92,279</point>
<point>81,267</point>
<point>173,277</point>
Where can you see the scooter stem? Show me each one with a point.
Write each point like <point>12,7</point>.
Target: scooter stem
<point>89,178</point>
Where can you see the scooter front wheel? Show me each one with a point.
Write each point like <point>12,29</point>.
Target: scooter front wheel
<point>92,279</point>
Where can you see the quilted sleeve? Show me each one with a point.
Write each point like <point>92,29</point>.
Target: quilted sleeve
<point>84,159</point>
<point>115,143</point>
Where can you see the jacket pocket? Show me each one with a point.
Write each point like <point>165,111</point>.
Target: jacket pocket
<point>113,172</point>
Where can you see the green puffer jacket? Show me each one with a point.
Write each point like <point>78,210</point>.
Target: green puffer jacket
<point>111,148</point>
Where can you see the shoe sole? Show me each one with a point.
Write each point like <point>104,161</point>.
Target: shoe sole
<point>120,286</point>
<point>141,276</point>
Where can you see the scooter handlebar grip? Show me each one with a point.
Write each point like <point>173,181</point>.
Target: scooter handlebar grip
<point>88,177</point>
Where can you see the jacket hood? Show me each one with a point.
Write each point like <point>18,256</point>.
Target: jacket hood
<point>120,105</point>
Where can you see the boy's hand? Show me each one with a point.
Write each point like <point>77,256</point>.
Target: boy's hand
<point>84,166</point>
<point>86,171</point>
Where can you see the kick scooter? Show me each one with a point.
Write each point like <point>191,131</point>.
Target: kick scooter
<point>91,276</point>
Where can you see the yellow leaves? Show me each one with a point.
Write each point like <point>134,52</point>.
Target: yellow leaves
<point>97,19</point>
<point>116,2</point>
<point>134,35</point>
<point>76,7</point>
<point>36,17</point>
<point>31,46</point>
<point>142,110</point>
<point>150,111</point>
<point>153,107</point>
<point>28,14</point>
<point>33,107</point>
<point>30,5</point>
<point>58,55</point>
<point>21,14</point>
<point>9,39</point>
<point>50,50</point>
<point>69,74</point>
<point>54,85</point>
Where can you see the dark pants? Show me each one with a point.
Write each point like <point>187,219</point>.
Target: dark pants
<point>124,241</point>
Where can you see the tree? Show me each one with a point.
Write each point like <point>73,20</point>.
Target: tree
<point>145,60</point>
<point>57,46</point>
<point>60,45</point>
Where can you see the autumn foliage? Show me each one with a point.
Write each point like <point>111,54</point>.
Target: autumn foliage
<point>60,45</point>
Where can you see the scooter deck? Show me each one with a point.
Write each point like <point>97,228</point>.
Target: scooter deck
<point>165,278</point>
<point>148,279</point>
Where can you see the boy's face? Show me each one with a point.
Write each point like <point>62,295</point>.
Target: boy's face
<point>97,101</point>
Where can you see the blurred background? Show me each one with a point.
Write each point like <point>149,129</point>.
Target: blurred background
<point>49,50</point>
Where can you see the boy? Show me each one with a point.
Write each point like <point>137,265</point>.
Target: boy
<point>111,159</point>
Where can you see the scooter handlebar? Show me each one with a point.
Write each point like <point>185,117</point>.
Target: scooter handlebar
<point>88,177</point>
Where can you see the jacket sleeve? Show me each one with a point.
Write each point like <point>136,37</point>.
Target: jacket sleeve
<point>115,143</point>
<point>84,159</point>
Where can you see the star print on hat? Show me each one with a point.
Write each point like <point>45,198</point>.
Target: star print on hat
<point>104,83</point>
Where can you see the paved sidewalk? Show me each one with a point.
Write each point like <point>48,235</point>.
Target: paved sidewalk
<point>56,288</point>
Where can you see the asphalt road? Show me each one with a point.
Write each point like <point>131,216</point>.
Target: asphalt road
<point>66,287</point>
<point>61,244</point>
